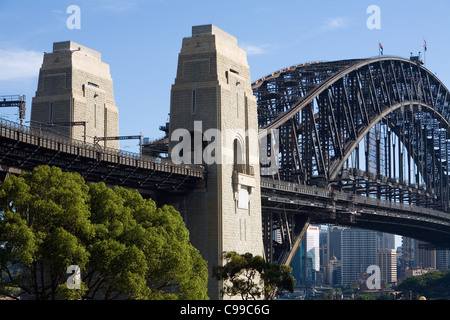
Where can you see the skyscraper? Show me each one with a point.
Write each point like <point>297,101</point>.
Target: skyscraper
<point>306,262</point>
<point>358,251</point>
<point>334,271</point>
<point>334,242</point>
<point>409,252</point>
<point>312,246</point>
<point>443,260</point>
<point>386,240</point>
<point>426,257</point>
<point>387,262</point>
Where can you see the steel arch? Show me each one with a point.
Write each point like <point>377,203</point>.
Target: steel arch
<point>324,110</point>
<point>351,147</point>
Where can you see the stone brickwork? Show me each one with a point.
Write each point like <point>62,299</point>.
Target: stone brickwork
<point>213,87</point>
<point>75,85</point>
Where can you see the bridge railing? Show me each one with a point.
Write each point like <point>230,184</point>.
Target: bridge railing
<point>294,187</point>
<point>10,129</point>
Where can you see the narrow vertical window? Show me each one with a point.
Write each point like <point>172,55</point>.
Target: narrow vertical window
<point>237,153</point>
<point>50,113</point>
<point>237,105</point>
<point>83,88</point>
<point>193,102</point>
<point>105,117</point>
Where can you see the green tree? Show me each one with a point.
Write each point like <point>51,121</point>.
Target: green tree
<point>432,284</point>
<point>252,278</point>
<point>125,246</point>
<point>332,294</point>
<point>328,295</point>
<point>365,297</point>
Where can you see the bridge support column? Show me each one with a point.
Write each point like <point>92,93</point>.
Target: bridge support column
<point>213,122</point>
<point>75,87</point>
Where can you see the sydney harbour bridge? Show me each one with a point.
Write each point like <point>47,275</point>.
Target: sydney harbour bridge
<point>361,142</point>
<point>372,129</point>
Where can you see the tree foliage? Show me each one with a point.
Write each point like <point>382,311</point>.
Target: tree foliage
<point>251,277</point>
<point>432,284</point>
<point>125,246</point>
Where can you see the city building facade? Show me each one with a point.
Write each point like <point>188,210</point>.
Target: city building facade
<point>359,251</point>
<point>387,262</point>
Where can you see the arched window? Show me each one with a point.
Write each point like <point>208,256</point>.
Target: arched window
<point>238,155</point>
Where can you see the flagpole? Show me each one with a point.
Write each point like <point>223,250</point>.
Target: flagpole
<point>424,52</point>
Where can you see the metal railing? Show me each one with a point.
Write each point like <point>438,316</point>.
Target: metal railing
<point>353,198</point>
<point>12,130</point>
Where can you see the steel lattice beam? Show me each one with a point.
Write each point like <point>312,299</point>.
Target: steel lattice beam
<point>325,111</point>
<point>374,127</point>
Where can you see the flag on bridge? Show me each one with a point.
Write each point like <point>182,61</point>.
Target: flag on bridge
<point>425,45</point>
<point>381,48</point>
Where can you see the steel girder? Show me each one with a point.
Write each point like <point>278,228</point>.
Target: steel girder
<point>387,117</point>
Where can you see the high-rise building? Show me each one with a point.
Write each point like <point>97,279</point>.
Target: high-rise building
<point>443,260</point>
<point>313,246</point>
<point>409,252</point>
<point>323,248</point>
<point>334,272</point>
<point>332,259</point>
<point>417,255</point>
<point>75,86</point>
<point>306,262</point>
<point>358,251</point>
<point>298,264</point>
<point>334,242</point>
<point>426,257</point>
<point>387,262</point>
<point>385,240</point>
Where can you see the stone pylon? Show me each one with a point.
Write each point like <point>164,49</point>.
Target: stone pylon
<point>213,122</point>
<point>75,86</point>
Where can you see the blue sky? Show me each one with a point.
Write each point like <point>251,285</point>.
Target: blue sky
<point>141,39</point>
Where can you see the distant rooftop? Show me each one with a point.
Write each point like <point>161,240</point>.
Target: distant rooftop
<point>73,46</point>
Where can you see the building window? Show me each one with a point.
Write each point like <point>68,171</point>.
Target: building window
<point>194,102</point>
<point>237,153</point>
<point>50,113</point>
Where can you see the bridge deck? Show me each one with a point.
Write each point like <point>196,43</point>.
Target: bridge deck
<point>23,148</point>
<point>344,208</point>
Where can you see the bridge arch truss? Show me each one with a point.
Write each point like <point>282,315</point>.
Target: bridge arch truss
<point>386,117</point>
<point>375,127</point>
